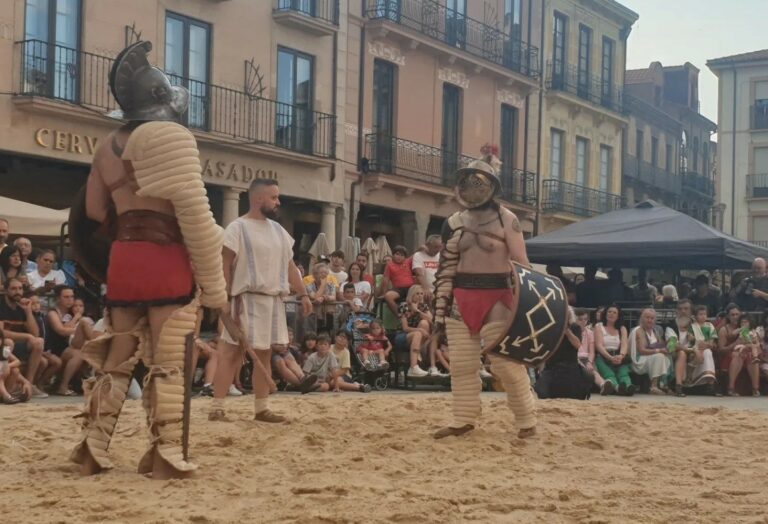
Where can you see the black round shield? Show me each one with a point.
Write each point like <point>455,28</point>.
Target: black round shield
<point>89,239</point>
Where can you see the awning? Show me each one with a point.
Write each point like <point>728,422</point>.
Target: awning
<point>29,219</point>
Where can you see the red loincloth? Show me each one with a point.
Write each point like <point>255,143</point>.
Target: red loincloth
<point>149,274</point>
<point>475,304</point>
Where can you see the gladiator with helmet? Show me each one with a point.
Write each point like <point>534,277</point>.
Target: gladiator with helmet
<point>146,195</point>
<point>474,295</point>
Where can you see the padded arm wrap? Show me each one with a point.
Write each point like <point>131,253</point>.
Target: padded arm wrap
<point>449,262</point>
<point>165,160</point>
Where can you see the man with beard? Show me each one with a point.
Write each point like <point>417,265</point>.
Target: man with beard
<point>18,323</point>
<point>4,232</point>
<point>260,272</point>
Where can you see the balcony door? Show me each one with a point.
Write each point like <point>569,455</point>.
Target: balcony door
<point>451,128</point>
<point>507,151</point>
<point>307,7</point>
<point>456,23</point>
<point>585,50</point>
<point>383,155</point>
<point>52,48</point>
<point>559,51</point>
<point>295,92</point>
<point>187,52</point>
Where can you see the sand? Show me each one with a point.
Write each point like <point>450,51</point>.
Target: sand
<point>357,458</point>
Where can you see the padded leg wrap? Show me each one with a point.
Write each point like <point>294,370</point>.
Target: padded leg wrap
<point>465,379</point>
<point>515,378</point>
<point>104,398</point>
<point>164,392</point>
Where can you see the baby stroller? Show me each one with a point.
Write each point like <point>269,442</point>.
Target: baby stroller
<point>370,372</point>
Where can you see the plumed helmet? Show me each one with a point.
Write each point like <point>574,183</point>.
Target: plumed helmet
<point>479,182</point>
<point>143,91</point>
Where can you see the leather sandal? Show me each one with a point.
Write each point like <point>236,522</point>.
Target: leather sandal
<point>218,415</point>
<point>269,416</point>
<point>307,384</point>
<point>448,431</point>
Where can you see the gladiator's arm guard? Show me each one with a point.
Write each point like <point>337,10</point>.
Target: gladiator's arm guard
<point>449,262</point>
<point>165,160</point>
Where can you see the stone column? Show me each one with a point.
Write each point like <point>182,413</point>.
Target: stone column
<point>231,207</point>
<point>328,224</point>
<point>422,225</point>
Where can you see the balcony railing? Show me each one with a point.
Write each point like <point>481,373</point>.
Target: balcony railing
<point>430,18</point>
<point>761,243</point>
<point>326,10</point>
<point>758,116</point>
<point>757,185</point>
<point>396,156</point>
<point>81,78</point>
<point>651,175</point>
<point>584,86</point>
<point>576,199</point>
<point>698,183</point>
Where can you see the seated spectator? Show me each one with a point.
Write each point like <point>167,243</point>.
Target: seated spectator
<point>375,344</point>
<point>25,247</point>
<point>14,388</point>
<point>738,348</point>
<point>344,380</point>
<point>562,376</point>
<point>399,275</point>
<point>693,367</point>
<point>323,364</point>
<point>11,266</point>
<point>18,323</point>
<point>308,345</point>
<point>416,324</point>
<point>362,261</point>
<point>425,264</point>
<point>441,355</point>
<point>705,295</point>
<point>649,351</point>
<point>615,289</point>
<point>644,292</point>
<point>206,348</point>
<point>706,344</point>
<point>668,298</point>
<point>586,353</point>
<point>284,365</point>
<point>363,289</point>
<point>293,347</point>
<point>336,268</point>
<point>322,293</point>
<point>349,298</point>
<point>45,278</point>
<point>611,349</point>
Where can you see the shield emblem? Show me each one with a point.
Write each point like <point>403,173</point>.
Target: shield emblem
<point>538,322</point>
<point>90,240</point>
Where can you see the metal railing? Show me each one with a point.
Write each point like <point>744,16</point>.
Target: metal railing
<point>81,78</point>
<point>698,183</point>
<point>761,243</point>
<point>579,200</point>
<point>327,10</point>
<point>757,185</point>
<point>758,116</point>
<point>432,165</point>
<point>430,18</point>
<point>651,175</point>
<point>584,86</point>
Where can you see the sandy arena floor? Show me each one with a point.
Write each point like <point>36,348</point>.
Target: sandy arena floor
<point>355,458</point>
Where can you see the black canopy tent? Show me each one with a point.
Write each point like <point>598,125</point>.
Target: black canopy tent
<point>648,235</point>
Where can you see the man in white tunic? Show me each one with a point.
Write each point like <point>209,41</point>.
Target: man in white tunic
<point>259,270</point>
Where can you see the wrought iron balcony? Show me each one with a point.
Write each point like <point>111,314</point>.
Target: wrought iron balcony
<point>651,175</point>
<point>587,87</point>
<point>81,78</point>
<point>758,116</point>
<point>761,243</point>
<point>431,18</point>
<point>396,156</point>
<point>698,183</point>
<point>576,199</point>
<point>757,185</point>
<point>322,10</point>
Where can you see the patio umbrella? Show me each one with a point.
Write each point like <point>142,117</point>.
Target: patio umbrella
<point>351,248</point>
<point>370,247</point>
<point>383,246</point>
<point>318,249</point>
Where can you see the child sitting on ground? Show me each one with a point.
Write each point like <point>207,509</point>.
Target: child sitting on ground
<point>286,367</point>
<point>14,388</point>
<point>703,330</point>
<point>322,364</point>
<point>308,346</point>
<point>376,344</point>
<point>294,348</point>
<point>749,338</point>
<point>344,380</point>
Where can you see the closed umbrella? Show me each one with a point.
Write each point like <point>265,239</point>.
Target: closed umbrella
<point>351,248</point>
<point>318,249</point>
<point>384,249</point>
<point>370,247</point>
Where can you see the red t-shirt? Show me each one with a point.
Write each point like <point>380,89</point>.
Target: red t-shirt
<point>401,275</point>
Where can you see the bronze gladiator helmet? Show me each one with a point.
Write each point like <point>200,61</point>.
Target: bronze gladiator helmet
<point>479,182</point>
<point>143,91</point>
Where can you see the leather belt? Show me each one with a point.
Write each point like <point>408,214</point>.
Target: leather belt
<point>482,281</point>
<point>143,225</point>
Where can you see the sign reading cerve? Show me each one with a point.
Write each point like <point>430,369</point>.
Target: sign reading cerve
<point>234,173</point>
<point>58,140</point>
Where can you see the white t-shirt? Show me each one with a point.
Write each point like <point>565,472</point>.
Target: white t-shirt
<point>36,280</point>
<point>263,250</point>
<point>429,264</point>
<point>341,276</point>
<point>362,288</point>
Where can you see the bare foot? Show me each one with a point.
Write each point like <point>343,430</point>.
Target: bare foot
<point>161,470</point>
<point>89,466</point>
<point>526,432</point>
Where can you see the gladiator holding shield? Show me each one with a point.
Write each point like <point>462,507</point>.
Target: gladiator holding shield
<point>481,287</point>
<point>146,192</point>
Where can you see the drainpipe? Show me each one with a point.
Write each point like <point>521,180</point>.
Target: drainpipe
<point>360,137</point>
<point>334,97</point>
<point>542,73</point>
<point>527,96</point>
<point>733,160</point>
